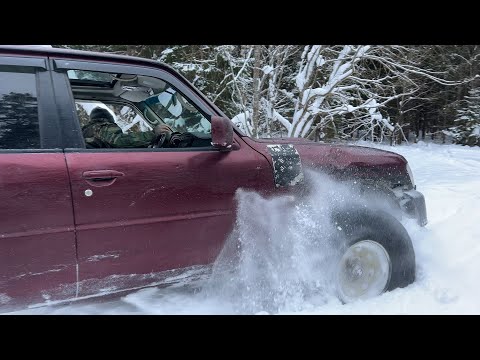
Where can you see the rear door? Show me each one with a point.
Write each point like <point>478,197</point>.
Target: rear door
<point>37,241</point>
<point>141,214</point>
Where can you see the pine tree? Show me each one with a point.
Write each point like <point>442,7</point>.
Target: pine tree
<point>467,130</point>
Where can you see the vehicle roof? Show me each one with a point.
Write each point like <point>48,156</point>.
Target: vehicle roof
<point>42,50</point>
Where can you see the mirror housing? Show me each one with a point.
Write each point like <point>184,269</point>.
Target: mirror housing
<point>222,133</point>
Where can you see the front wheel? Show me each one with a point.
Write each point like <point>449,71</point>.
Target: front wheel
<point>377,255</point>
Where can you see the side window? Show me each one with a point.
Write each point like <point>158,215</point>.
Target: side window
<point>177,111</point>
<point>19,126</point>
<point>124,110</point>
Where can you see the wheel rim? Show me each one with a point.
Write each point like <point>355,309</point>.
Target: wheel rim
<point>363,271</point>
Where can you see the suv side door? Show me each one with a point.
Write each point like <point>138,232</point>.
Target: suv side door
<point>163,209</point>
<point>37,240</point>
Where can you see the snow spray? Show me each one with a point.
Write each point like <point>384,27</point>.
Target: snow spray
<point>282,253</point>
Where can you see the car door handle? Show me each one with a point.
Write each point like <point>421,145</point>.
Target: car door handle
<point>101,177</point>
<point>102,174</point>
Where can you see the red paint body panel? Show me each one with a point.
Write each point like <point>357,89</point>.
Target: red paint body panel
<point>314,154</point>
<point>37,241</point>
<point>169,209</point>
<point>338,157</point>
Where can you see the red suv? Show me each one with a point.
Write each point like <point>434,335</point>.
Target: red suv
<point>82,218</point>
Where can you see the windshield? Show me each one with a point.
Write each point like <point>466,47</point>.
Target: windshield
<point>175,110</point>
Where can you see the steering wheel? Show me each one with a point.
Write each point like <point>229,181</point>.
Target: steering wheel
<point>162,140</point>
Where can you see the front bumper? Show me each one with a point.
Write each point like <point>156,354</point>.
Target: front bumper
<point>413,204</point>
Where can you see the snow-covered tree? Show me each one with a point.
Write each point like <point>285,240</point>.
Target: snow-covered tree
<point>322,88</point>
<point>217,71</point>
<point>467,124</point>
<point>266,80</point>
<point>349,88</point>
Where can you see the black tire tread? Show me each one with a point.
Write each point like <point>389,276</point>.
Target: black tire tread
<point>379,226</point>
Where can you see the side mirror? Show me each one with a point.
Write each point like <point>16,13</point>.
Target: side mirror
<point>222,133</point>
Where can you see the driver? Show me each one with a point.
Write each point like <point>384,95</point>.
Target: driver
<point>102,132</point>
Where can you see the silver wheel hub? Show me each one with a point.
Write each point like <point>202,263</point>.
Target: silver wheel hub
<point>363,271</point>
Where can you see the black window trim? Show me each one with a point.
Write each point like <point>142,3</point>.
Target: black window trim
<point>71,132</point>
<point>142,150</point>
<point>30,151</point>
<point>24,61</point>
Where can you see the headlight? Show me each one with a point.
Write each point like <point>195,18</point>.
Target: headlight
<point>410,173</point>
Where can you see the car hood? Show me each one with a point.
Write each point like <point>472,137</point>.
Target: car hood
<point>343,161</point>
<point>340,156</point>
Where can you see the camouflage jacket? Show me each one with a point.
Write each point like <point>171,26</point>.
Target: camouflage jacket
<point>102,133</point>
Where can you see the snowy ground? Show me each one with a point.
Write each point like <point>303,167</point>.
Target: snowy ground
<point>447,254</point>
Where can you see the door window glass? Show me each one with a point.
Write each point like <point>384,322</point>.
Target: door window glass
<point>19,127</point>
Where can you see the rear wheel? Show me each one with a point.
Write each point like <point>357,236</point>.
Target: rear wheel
<point>377,255</point>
